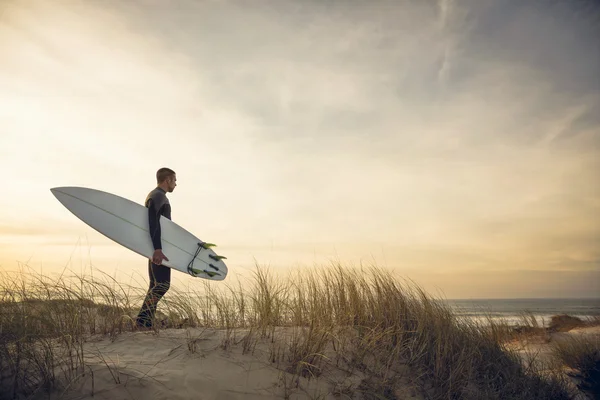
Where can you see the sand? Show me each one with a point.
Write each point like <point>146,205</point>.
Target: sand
<point>192,364</point>
<point>538,349</point>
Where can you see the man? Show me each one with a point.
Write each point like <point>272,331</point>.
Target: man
<point>160,276</point>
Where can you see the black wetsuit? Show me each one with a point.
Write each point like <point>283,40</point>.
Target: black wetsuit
<point>160,276</point>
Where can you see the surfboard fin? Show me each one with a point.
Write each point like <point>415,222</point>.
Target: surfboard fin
<point>209,273</point>
<point>207,245</point>
<point>217,258</point>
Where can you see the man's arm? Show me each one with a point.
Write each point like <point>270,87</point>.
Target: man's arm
<point>154,224</point>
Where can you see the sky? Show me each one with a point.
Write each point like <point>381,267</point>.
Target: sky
<point>456,143</point>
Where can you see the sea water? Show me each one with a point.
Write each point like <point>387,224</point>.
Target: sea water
<point>511,311</point>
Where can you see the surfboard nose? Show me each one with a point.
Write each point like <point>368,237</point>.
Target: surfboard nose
<point>57,189</point>
<point>58,192</point>
<point>65,190</point>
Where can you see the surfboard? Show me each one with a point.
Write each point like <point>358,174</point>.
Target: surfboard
<point>126,222</point>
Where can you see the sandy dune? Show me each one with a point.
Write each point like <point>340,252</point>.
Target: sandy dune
<point>541,347</point>
<point>538,349</point>
<point>192,364</point>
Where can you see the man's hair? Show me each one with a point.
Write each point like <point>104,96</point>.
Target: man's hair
<point>163,174</point>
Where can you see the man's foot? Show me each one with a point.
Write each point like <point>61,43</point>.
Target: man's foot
<point>142,325</point>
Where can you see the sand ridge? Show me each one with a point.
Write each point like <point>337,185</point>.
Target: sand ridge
<point>192,364</point>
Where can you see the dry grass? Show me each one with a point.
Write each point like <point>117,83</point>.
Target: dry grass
<point>356,320</point>
<point>582,355</point>
<point>44,323</point>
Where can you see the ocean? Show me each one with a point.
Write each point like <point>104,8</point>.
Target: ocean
<point>511,310</point>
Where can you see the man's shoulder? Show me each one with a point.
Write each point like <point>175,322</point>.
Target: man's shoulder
<point>157,196</point>
<point>157,192</point>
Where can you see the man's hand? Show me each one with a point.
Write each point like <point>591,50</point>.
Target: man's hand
<point>158,257</point>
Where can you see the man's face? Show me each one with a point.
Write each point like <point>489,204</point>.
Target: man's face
<point>172,182</point>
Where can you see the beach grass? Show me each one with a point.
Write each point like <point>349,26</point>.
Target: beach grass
<point>315,321</point>
<point>582,355</point>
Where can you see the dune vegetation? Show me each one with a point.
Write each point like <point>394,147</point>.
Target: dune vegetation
<point>314,322</point>
<point>581,354</point>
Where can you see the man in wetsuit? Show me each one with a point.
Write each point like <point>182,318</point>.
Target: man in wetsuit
<point>160,276</point>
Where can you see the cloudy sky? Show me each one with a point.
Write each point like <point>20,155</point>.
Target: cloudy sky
<point>455,142</point>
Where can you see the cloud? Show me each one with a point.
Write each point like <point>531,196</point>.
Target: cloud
<point>468,129</point>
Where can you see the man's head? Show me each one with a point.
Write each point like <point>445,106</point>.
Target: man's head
<point>166,179</point>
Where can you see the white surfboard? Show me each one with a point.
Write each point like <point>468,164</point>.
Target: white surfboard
<point>126,222</point>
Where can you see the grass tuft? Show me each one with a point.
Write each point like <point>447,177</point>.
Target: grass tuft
<point>362,321</point>
<point>582,355</point>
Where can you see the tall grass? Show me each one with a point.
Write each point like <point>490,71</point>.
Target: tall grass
<point>582,355</point>
<point>44,323</point>
<point>363,321</point>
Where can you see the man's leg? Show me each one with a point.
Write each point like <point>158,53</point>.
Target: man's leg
<point>160,281</point>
